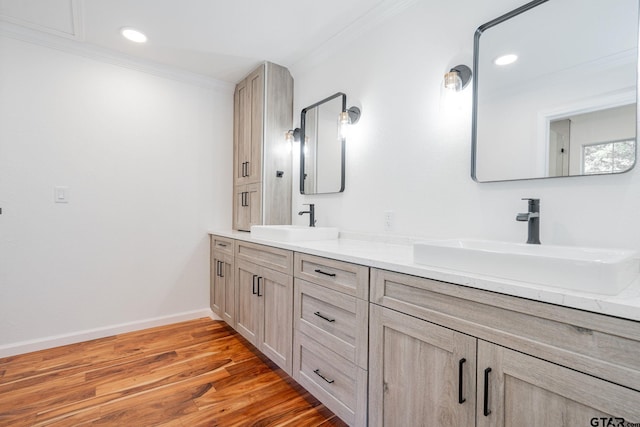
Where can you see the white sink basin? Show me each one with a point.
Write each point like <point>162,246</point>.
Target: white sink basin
<point>602,271</point>
<point>293,233</point>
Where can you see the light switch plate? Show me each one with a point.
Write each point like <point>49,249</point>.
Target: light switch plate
<point>61,194</point>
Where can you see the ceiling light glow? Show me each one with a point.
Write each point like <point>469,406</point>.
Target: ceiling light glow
<point>133,35</point>
<point>506,59</point>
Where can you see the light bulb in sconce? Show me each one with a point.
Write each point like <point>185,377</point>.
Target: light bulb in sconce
<point>292,135</point>
<point>457,78</point>
<point>346,119</point>
<point>343,124</point>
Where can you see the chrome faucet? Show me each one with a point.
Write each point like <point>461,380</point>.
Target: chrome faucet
<point>533,218</point>
<point>311,212</point>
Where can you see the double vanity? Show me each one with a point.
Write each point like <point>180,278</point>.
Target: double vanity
<point>384,332</point>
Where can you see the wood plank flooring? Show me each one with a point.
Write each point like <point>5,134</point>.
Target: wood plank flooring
<point>196,373</point>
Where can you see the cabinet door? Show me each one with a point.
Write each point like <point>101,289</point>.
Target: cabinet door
<point>515,389</point>
<point>254,149</point>
<point>276,293</point>
<point>223,286</point>
<point>241,131</point>
<point>216,295</point>
<point>249,307</point>
<point>420,374</point>
<point>247,206</point>
<point>228,295</point>
<point>248,128</point>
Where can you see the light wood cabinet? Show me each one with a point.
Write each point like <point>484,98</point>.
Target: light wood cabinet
<point>520,382</point>
<point>420,374</point>
<point>384,348</point>
<point>222,283</point>
<point>515,389</point>
<point>331,334</point>
<point>248,124</point>
<point>263,113</point>
<point>265,303</point>
<point>247,202</point>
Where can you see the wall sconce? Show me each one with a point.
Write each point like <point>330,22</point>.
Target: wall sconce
<point>292,136</point>
<point>457,78</point>
<point>346,118</point>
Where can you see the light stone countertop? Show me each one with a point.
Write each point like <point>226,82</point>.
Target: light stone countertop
<point>396,254</point>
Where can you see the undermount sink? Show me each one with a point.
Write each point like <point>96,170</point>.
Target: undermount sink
<point>602,271</point>
<point>293,233</point>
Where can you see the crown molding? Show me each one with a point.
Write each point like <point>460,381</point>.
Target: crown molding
<point>384,11</point>
<point>79,48</point>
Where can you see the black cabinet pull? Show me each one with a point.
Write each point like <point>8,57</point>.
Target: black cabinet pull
<point>217,268</point>
<point>317,372</point>
<point>253,289</point>
<point>317,270</point>
<point>317,313</point>
<point>260,279</point>
<point>487,411</point>
<point>247,169</point>
<point>461,399</point>
<point>244,169</point>
<point>221,268</point>
<point>224,245</point>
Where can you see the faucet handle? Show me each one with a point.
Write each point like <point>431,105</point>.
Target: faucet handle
<point>530,199</point>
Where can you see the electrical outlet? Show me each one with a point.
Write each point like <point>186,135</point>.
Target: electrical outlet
<point>61,194</point>
<point>388,220</point>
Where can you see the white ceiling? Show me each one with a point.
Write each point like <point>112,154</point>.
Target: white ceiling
<point>221,39</point>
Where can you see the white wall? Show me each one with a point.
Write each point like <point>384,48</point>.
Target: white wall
<point>410,153</point>
<point>148,163</point>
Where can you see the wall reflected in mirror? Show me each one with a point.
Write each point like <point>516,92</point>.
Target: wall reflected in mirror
<point>567,105</point>
<point>322,146</point>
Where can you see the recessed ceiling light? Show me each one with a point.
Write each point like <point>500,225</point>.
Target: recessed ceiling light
<point>506,59</point>
<point>133,35</point>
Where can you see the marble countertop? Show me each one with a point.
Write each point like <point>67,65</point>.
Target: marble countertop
<point>396,254</point>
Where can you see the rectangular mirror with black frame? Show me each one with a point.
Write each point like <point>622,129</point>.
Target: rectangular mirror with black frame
<point>555,91</point>
<point>322,146</point>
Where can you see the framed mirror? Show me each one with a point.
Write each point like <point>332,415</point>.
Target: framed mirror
<point>322,146</point>
<point>555,91</point>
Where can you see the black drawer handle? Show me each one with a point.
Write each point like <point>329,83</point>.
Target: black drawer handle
<point>461,399</point>
<point>224,245</point>
<point>253,289</point>
<point>317,270</point>
<point>317,313</point>
<point>260,279</point>
<point>317,372</point>
<point>221,269</point>
<point>486,411</point>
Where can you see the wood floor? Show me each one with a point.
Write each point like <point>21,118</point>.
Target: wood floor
<point>196,373</point>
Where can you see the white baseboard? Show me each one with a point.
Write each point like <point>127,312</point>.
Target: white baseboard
<point>91,334</point>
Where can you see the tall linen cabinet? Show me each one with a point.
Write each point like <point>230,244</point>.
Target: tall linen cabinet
<point>263,113</point>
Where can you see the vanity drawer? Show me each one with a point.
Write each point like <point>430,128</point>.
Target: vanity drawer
<point>222,244</point>
<point>337,321</point>
<point>274,258</point>
<point>603,346</point>
<point>338,383</point>
<point>351,279</point>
